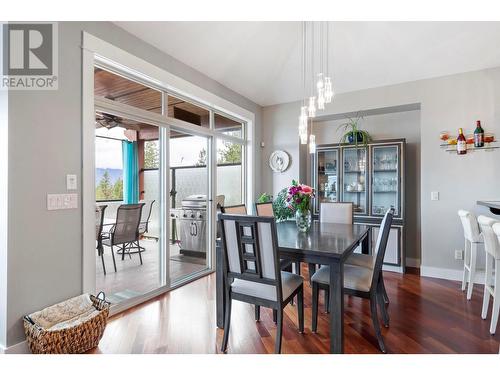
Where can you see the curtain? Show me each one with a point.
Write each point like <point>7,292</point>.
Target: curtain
<point>130,172</point>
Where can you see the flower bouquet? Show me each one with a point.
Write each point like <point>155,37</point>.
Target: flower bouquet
<point>299,199</point>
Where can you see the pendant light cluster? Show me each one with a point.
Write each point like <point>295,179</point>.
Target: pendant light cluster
<point>321,92</point>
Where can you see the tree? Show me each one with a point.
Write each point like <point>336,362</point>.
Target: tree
<point>118,189</point>
<point>202,157</point>
<point>230,154</point>
<point>151,155</point>
<point>104,189</point>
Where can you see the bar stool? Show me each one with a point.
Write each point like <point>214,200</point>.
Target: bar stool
<point>472,238</point>
<point>492,246</point>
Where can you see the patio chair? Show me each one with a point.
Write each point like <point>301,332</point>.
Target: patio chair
<point>143,227</point>
<point>99,223</point>
<point>126,229</point>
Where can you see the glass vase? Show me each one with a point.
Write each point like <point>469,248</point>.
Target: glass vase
<point>303,220</point>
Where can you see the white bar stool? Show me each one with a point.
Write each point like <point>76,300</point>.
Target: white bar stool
<point>492,246</point>
<point>472,238</point>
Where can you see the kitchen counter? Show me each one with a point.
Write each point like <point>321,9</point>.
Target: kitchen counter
<point>494,206</point>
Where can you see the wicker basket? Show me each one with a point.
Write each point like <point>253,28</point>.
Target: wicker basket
<point>75,339</point>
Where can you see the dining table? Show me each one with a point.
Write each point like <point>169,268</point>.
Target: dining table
<point>328,244</point>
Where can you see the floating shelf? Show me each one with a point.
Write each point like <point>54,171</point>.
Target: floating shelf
<point>470,148</point>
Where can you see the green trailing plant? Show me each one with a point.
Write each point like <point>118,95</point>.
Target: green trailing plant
<point>281,208</point>
<point>352,132</point>
<point>265,198</point>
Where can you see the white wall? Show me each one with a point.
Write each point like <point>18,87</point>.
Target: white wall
<point>447,103</point>
<point>45,144</point>
<point>391,125</point>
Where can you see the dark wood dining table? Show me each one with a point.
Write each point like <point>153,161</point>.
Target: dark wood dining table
<point>326,244</point>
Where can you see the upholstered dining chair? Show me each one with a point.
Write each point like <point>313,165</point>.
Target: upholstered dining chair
<point>361,282</point>
<point>337,213</point>
<point>99,224</point>
<point>126,229</point>
<point>252,272</point>
<point>264,209</point>
<point>490,229</point>
<point>473,238</point>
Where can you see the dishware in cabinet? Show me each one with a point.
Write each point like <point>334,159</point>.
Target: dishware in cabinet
<point>355,178</point>
<point>386,179</point>
<point>325,176</point>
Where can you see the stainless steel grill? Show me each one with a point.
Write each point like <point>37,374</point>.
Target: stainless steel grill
<point>191,225</point>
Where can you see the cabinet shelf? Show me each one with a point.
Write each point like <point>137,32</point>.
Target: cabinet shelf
<point>385,170</point>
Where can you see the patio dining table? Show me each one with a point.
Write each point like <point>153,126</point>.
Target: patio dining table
<point>325,244</point>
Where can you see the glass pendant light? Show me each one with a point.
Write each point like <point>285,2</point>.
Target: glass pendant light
<point>329,94</point>
<point>312,144</point>
<point>311,109</point>
<point>303,125</point>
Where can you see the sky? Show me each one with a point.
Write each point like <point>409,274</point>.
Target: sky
<point>183,151</point>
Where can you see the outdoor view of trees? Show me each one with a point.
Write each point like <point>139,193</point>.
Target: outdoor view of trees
<point>230,154</point>
<point>107,190</point>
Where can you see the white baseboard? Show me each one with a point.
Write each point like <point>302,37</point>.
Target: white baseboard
<point>449,274</point>
<point>19,348</point>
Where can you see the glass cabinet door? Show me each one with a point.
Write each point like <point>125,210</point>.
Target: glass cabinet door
<point>327,177</point>
<point>355,178</point>
<point>386,189</point>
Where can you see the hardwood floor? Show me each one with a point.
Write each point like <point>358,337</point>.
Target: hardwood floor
<point>427,316</point>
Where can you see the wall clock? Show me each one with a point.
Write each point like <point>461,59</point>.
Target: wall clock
<point>279,161</point>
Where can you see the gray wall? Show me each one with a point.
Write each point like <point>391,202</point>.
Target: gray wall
<point>447,103</point>
<point>389,126</point>
<point>45,138</point>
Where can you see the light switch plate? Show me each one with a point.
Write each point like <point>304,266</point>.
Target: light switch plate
<point>459,255</point>
<point>434,195</point>
<point>71,182</point>
<point>62,201</point>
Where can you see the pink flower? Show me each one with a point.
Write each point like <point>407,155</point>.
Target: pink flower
<point>307,189</point>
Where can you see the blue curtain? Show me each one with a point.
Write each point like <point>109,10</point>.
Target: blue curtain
<point>130,172</point>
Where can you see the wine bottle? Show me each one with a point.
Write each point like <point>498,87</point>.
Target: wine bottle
<point>461,143</point>
<point>478,135</point>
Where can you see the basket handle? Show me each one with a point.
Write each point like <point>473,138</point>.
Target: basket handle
<point>103,298</point>
<point>29,320</point>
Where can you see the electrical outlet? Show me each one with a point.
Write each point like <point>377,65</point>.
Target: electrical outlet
<point>459,254</point>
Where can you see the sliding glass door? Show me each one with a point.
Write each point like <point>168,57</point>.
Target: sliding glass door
<point>129,231</point>
<point>190,218</point>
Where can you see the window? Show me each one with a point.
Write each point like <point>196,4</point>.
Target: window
<point>189,112</point>
<point>230,181</point>
<point>228,126</point>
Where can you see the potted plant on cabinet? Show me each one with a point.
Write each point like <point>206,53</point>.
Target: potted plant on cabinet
<point>352,132</point>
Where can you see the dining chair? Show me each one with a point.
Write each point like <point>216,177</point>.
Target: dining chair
<point>99,224</point>
<point>252,272</point>
<point>337,213</point>
<point>239,209</point>
<point>473,238</point>
<point>490,229</point>
<point>125,231</point>
<point>361,282</point>
<point>264,209</point>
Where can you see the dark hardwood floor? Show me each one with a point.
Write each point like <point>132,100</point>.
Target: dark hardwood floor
<point>427,316</point>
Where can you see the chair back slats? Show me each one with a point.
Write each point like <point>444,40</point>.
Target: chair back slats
<point>470,226</point>
<point>126,228</point>
<point>336,212</point>
<point>145,215</point>
<point>250,248</point>
<point>381,244</point>
<point>264,209</point>
<point>239,209</point>
<point>491,243</point>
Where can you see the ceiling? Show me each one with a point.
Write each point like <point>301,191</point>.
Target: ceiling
<point>261,60</point>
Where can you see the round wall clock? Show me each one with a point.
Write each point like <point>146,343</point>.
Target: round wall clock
<point>279,161</point>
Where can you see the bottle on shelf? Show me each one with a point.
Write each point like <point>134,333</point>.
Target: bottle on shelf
<point>461,143</point>
<point>478,135</point>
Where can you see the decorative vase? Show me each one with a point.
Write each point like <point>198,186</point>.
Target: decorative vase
<point>359,136</point>
<point>303,220</point>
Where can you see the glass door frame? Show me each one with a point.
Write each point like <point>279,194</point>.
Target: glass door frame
<point>90,105</point>
<point>400,182</point>
<point>367,182</point>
